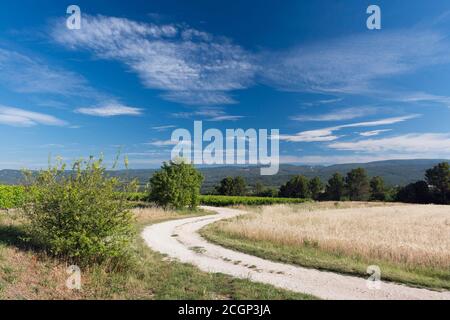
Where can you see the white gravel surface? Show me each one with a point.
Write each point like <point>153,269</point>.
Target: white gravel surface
<point>179,239</point>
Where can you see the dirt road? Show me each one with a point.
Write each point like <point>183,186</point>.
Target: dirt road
<point>179,239</point>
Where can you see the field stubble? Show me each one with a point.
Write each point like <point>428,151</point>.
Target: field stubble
<point>410,234</point>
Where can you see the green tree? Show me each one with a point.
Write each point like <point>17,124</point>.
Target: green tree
<point>259,188</point>
<point>315,188</point>
<point>232,186</point>
<point>357,185</point>
<point>262,191</point>
<point>296,187</point>
<point>335,188</point>
<point>239,186</point>
<point>417,192</point>
<point>439,178</point>
<point>82,214</point>
<point>377,189</point>
<point>177,185</point>
<point>226,186</point>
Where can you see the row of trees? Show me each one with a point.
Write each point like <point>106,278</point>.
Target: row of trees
<point>355,186</point>
<point>178,185</point>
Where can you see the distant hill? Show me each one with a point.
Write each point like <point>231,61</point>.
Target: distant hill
<point>394,172</point>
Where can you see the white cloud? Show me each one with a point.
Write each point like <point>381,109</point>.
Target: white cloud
<point>338,115</point>
<point>199,97</point>
<point>420,97</point>
<point>209,113</point>
<point>327,134</point>
<point>319,135</point>
<point>325,101</point>
<point>24,74</point>
<point>373,133</point>
<point>191,66</point>
<point>333,159</point>
<point>226,118</point>
<point>354,158</point>
<point>381,122</point>
<point>166,143</point>
<point>163,128</point>
<point>110,110</point>
<point>352,64</point>
<point>197,68</point>
<point>22,118</point>
<point>422,143</point>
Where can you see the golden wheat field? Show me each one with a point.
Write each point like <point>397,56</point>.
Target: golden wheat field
<point>416,235</point>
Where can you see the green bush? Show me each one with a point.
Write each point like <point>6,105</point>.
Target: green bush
<point>137,196</point>
<point>80,214</point>
<point>11,196</point>
<point>218,201</point>
<point>176,185</point>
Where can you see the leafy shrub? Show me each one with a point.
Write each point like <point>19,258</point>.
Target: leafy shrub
<point>11,196</point>
<point>137,196</point>
<point>218,201</point>
<point>80,214</point>
<point>176,184</point>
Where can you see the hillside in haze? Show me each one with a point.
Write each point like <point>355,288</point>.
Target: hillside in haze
<point>394,172</point>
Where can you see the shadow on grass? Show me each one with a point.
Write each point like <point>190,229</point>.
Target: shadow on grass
<point>15,236</point>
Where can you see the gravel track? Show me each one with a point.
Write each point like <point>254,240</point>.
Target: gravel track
<point>179,239</point>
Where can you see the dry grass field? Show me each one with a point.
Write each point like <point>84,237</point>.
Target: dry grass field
<point>411,242</point>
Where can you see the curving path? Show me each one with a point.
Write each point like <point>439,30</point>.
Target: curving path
<point>179,239</point>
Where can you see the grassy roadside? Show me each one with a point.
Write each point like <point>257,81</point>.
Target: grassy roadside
<point>27,273</point>
<point>310,256</point>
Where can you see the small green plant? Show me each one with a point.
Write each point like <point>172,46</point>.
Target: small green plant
<point>79,214</point>
<point>11,196</point>
<point>176,185</point>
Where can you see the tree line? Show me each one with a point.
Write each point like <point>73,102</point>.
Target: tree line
<point>355,186</point>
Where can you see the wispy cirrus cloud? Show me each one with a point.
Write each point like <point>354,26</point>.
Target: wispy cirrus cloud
<point>373,132</point>
<point>339,115</point>
<point>353,64</point>
<point>342,159</point>
<point>164,128</point>
<point>110,110</point>
<point>435,144</point>
<point>17,117</point>
<point>411,97</point>
<point>25,74</point>
<point>194,67</point>
<point>190,66</point>
<point>323,101</point>
<point>328,134</point>
<point>167,143</point>
<point>209,114</point>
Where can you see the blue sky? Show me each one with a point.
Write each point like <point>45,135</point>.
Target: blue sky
<point>137,70</point>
